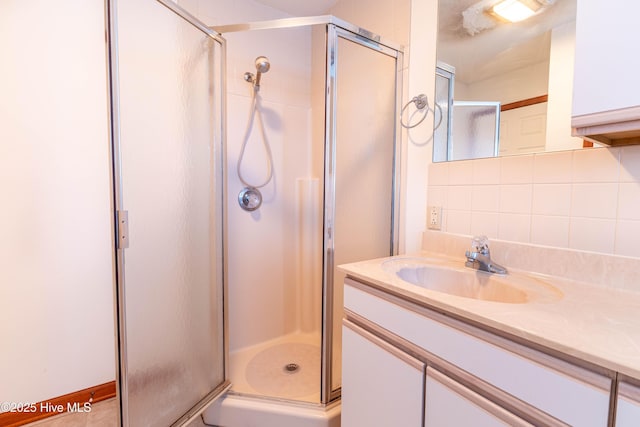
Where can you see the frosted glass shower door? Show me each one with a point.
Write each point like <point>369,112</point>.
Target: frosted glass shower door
<point>361,181</point>
<point>169,181</point>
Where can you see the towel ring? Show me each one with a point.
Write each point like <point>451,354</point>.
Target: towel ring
<point>422,104</point>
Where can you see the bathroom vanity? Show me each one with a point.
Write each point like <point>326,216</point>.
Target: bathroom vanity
<point>532,350</point>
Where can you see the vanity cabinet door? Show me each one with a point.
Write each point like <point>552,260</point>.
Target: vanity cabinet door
<point>449,403</point>
<point>381,385</point>
<point>606,94</point>
<point>628,406</point>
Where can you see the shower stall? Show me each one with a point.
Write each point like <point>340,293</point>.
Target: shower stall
<point>329,103</point>
<point>214,300</point>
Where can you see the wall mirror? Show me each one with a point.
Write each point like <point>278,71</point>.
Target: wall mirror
<point>505,88</point>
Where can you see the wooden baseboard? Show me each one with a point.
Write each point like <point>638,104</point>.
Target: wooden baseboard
<point>57,405</point>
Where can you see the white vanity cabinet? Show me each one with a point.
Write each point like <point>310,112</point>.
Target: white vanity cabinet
<point>471,409</point>
<point>381,385</point>
<point>627,405</point>
<point>491,375</point>
<point>606,93</point>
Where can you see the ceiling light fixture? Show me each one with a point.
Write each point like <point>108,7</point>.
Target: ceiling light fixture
<point>516,10</point>
<point>486,14</point>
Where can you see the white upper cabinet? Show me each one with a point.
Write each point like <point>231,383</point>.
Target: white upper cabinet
<point>606,92</point>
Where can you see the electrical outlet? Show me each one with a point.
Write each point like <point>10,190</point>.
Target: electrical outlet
<point>435,217</point>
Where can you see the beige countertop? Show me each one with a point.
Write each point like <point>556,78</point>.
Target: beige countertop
<point>598,325</point>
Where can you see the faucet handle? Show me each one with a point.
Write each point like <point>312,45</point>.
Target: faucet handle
<point>480,244</point>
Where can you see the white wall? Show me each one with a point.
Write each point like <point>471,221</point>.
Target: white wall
<point>389,19</point>
<point>512,86</point>
<point>418,145</point>
<point>563,43</point>
<point>56,281</point>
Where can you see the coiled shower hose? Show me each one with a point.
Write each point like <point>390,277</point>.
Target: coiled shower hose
<point>255,110</point>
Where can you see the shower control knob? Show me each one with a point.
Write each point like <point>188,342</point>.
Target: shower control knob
<point>250,199</point>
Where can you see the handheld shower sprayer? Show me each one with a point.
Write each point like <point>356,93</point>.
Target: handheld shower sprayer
<point>262,66</point>
<point>250,197</point>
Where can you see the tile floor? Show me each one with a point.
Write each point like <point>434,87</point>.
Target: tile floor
<point>103,414</point>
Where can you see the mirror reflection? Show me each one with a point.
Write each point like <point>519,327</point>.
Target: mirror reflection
<point>505,88</point>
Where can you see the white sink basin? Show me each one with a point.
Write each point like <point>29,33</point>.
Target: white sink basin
<point>448,278</point>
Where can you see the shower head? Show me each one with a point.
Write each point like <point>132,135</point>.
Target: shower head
<point>262,66</point>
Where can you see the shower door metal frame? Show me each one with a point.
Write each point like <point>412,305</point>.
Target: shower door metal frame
<point>119,218</point>
<point>339,29</point>
<point>448,73</point>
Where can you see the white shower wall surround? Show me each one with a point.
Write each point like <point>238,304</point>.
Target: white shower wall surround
<point>262,248</point>
<point>275,256</point>
<point>587,199</point>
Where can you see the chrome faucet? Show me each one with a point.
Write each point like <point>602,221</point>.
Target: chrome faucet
<point>479,256</point>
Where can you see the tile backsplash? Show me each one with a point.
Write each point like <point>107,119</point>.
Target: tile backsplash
<point>587,200</point>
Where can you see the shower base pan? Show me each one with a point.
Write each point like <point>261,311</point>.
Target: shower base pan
<point>286,368</point>
<point>275,384</point>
